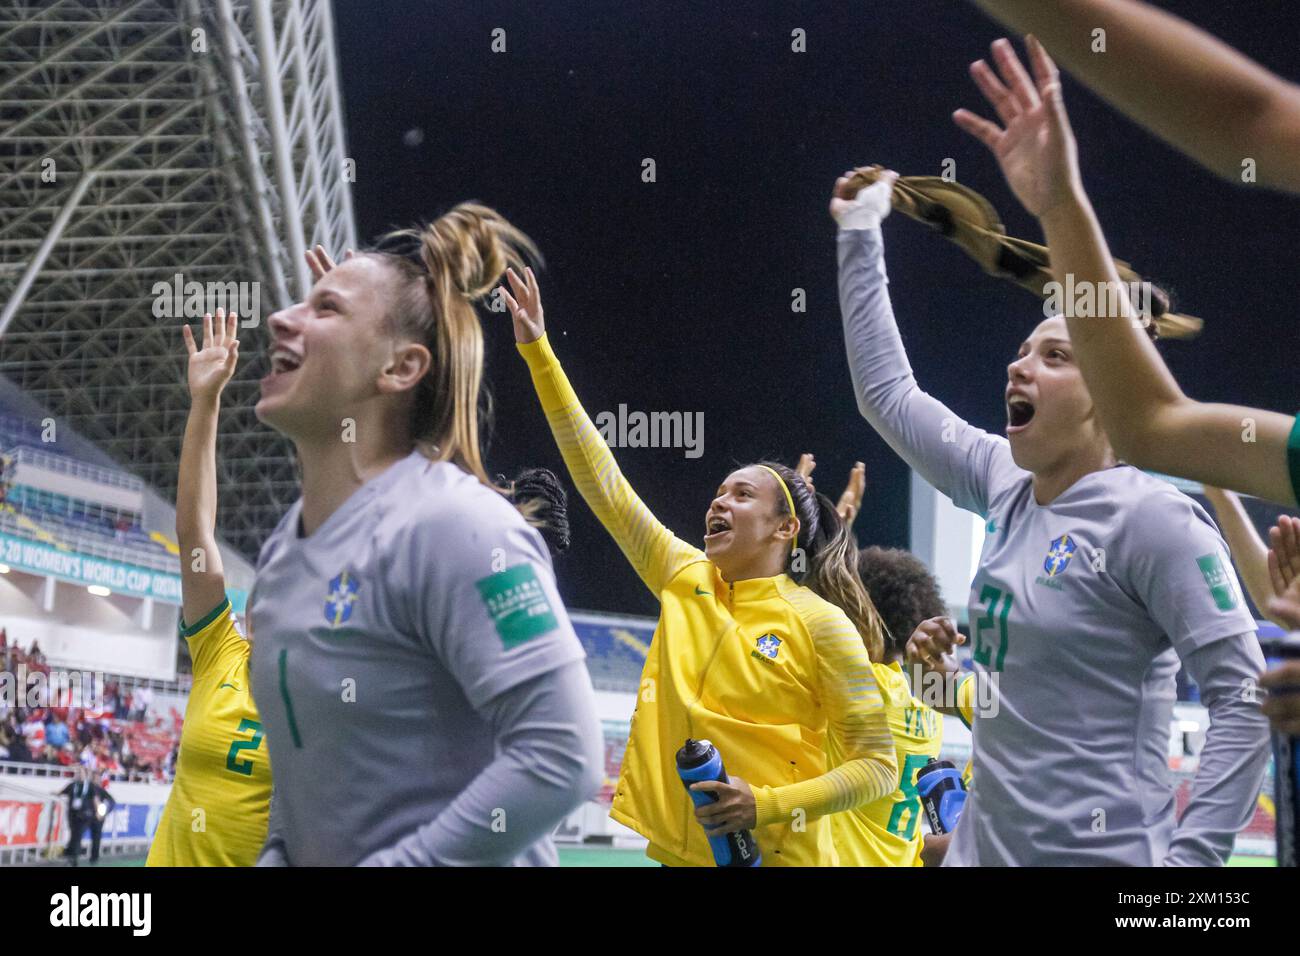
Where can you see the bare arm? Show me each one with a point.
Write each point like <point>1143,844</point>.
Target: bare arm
<point>1149,421</point>
<point>1190,89</point>
<point>203,584</point>
<point>1247,547</point>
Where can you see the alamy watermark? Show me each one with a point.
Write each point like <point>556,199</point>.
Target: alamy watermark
<point>939,690</point>
<point>1087,300</point>
<point>36,688</point>
<point>624,429</point>
<point>179,299</point>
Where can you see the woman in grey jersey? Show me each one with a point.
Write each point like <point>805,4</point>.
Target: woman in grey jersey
<point>424,694</point>
<point>1094,580</point>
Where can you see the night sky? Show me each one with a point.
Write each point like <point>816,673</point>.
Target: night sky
<point>676,295</point>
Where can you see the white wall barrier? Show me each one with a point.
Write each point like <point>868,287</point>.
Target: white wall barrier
<point>33,815</point>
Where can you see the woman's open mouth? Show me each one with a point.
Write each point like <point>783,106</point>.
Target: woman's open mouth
<point>283,364</point>
<point>716,527</point>
<point>1020,412</point>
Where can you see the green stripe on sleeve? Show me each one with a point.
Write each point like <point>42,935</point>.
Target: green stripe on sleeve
<point>204,621</point>
<point>960,716</point>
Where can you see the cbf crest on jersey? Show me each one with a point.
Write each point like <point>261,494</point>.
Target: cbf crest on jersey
<point>769,645</point>
<point>1058,555</point>
<point>338,602</point>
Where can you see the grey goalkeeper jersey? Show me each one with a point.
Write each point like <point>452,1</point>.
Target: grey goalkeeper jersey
<point>383,647</point>
<point>1079,612</point>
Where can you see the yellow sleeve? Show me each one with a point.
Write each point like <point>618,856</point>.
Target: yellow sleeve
<point>655,552</point>
<point>855,715</point>
<point>212,639</point>
<point>966,699</point>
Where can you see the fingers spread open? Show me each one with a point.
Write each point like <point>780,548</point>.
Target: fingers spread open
<point>998,95</point>
<point>983,130</point>
<point>1275,573</point>
<point>1045,71</point>
<point>1014,75</point>
<point>518,285</point>
<point>510,300</point>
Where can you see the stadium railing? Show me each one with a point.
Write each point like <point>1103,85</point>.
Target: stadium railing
<point>86,542</point>
<point>23,453</point>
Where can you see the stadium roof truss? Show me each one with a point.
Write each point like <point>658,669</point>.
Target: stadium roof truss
<point>139,140</point>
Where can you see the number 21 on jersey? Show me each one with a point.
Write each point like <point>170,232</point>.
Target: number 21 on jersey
<point>991,650</point>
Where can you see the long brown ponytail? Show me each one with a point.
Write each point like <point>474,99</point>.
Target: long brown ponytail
<point>448,265</point>
<point>827,560</point>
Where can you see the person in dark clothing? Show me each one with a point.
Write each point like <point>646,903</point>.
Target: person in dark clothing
<point>88,806</point>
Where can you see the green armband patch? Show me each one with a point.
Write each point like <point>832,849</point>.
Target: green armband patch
<point>1216,579</point>
<point>517,604</point>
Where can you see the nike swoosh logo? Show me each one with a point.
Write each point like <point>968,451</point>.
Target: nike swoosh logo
<point>231,686</point>
<point>703,593</point>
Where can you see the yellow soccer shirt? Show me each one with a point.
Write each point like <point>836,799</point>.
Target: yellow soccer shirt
<point>221,797</point>
<point>888,831</point>
<point>966,711</point>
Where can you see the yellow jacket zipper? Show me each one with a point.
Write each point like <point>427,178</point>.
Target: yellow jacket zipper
<point>690,726</point>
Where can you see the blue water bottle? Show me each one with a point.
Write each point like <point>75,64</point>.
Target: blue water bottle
<point>942,793</point>
<point>699,760</point>
<point>1279,647</point>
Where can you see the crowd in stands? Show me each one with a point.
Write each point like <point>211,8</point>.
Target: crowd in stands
<point>122,736</point>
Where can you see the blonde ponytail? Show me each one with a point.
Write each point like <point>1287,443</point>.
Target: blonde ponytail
<point>461,257</point>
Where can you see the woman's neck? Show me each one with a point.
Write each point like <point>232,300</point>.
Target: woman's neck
<point>333,469</point>
<point>1051,483</point>
<point>767,566</point>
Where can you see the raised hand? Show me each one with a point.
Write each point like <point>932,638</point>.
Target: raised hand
<point>1284,554</point>
<point>1037,149</point>
<point>850,502</point>
<point>525,306</point>
<point>855,208</point>
<point>319,261</point>
<point>805,469</point>
<point>212,366</point>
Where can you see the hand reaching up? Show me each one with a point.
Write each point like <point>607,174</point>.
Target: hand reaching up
<point>212,366</point>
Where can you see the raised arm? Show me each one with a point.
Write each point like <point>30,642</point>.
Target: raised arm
<point>1149,421</point>
<point>203,585</point>
<point>1195,92</point>
<point>960,460</point>
<point>850,502</point>
<point>655,553</point>
<point>1248,549</point>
